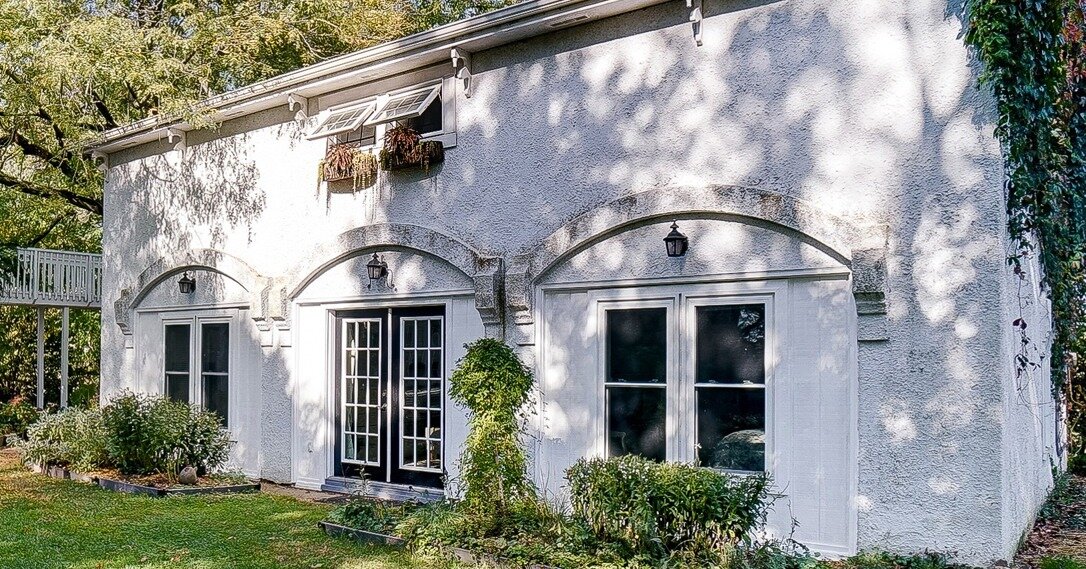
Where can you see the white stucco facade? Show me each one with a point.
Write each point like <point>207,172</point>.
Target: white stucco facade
<point>831,160</point>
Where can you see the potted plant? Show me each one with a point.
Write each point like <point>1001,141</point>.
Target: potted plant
<point>403,150</point>
<point>348,162</point>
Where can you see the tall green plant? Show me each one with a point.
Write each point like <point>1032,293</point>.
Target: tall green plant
<point>494,385</point>
<point>1033,55</point>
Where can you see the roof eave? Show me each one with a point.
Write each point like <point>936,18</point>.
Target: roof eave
<point>503,26</point>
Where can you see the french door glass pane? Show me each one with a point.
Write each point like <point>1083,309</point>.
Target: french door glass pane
<point>636,419</point>
<point>421,379</point>
<point>731,344</point>
<point>637,345</point>
<point>730,386</point>
<point>731,428</point>
<point>362,392</point>
<point>215,367</point>
<point>177,354</point>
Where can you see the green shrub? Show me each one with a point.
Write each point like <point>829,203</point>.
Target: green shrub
<point>1077,465</point>
<point>884,560</point>
<point>494,385</point>
<point>369,514</point>
<point>74,438</point>
<point>1061,562</point>
<point>16,416</point>
<point>147,435</point>
<point>656,508</point>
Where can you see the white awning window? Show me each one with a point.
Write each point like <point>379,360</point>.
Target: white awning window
<point>342,120</point>
<point>405,105</point>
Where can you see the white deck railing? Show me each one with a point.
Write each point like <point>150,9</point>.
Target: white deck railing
<point>45,277</point>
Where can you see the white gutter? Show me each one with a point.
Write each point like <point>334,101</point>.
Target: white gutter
<point>529,18</point>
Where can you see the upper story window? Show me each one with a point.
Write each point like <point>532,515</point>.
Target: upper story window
<point>426,110</point>
<point>410,105</point>
<point>343,119</point>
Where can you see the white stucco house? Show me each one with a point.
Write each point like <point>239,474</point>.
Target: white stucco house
<point>841,318</point>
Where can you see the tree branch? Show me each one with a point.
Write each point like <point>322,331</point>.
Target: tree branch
<point>86,203</point>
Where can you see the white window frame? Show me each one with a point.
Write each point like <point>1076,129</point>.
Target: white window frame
<point>329,114</point>
<point>688,344</point>
<point>441,398</point>
<point>193,355</point>
<point>382,410</point>
<point>196,374</point>
<point>435,92</point>
<point>447,93</point>
<point>682,302</point>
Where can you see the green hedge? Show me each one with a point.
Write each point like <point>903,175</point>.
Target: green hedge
<point>659,508</point>
<point>146,434</point>
<point>16,416</point>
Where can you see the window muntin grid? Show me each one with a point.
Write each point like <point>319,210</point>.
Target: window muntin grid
<point>422,374</point>
<point>361,392</point>
<point>342,120</point>
<point>405,105</point>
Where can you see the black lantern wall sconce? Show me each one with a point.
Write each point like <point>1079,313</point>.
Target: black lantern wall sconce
<point>186,284</point>
<point>676,242</point>
<point>376,268</point>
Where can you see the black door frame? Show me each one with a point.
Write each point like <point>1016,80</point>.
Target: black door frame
<point>391,414</point>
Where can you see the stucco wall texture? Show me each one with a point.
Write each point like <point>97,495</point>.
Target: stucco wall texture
<point>867,110</point>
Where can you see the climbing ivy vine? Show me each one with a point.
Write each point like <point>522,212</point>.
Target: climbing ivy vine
<point>1033,55</point>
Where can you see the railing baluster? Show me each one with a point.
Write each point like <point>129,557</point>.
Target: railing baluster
<point>55,278</point>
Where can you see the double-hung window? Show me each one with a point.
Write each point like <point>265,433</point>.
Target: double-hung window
<point>708,405</point>
<point>197,363</point>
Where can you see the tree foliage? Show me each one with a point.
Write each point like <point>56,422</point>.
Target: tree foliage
<point>71,70</point>
<point>1034,56</point>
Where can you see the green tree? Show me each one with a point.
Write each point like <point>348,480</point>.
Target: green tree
<point>72,69</point>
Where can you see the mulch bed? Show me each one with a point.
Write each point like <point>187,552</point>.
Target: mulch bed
<point>1060,529</point>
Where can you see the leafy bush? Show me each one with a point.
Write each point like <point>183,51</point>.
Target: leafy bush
<point>371,515</point>
<point>884,560</point>
<point>16,416</point>
<point>494,385</point>
<point>148,435</point>
<point>656,508</point>
<point>1061,562</point>
<point>73,437</point>
<point>1077,465</point>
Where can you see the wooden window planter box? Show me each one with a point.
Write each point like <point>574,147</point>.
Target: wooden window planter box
<point>461,554</point>
<point>404,150</point>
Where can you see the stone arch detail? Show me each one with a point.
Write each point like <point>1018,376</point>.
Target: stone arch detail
<point>214,260</point>
<point>860,246</point>
<point>483,269</point>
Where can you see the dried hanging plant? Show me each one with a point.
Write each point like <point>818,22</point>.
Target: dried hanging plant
<point>403,149</point>
<point>346,161</point>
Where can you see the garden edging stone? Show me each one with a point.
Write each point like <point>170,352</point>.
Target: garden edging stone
<point>461,554</point>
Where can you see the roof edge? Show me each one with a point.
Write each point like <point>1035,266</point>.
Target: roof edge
<point>494,26</point>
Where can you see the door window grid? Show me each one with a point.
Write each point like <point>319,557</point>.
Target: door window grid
<point>422,375</point>
<point>362,392</point>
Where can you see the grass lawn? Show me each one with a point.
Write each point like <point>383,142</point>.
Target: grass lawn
<point>55,523</point>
